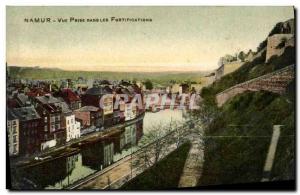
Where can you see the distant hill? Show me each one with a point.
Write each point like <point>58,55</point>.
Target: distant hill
<point>55,73</point>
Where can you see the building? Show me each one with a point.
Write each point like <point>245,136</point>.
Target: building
<point>127,109</point>
<point>34,92</point>
<point>30,129</point>
<point>184,88</point>
<point>71,98</point>
<point>13,133</point>
<point>72,128</point>
<point>130,111</point>
<point>173,89</point>
<point>22,100</point>
<point>48,144</point>
<point>93,97</point>
<point>277,43</point>
<point>89,116</point>
<point>226,68</point>
<point>249,56</point>
<point>54,112</point>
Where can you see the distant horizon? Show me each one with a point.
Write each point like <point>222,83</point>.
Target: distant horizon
<point>189,38</point>
<point>119,71</point>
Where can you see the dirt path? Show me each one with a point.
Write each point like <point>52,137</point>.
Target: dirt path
<point>193,165</point>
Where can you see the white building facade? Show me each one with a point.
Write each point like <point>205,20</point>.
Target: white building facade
<point>48,144</point>
<point>13,136</point>
<point>72,128</point>
<point>130,111</point>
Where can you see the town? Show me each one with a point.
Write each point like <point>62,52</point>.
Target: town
<point>42,115</point>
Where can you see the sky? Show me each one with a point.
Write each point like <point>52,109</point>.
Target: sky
<point>177,39</point>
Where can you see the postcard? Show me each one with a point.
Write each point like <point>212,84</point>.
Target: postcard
<point>150,97</point>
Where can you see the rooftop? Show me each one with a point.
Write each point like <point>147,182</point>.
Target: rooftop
<point>57,102</point>
<point>47,99</point>
<point>10,115</point>
<point>88,109</point>
<point>22,98</point>
<point>25,113</point>
<point>99,90</point>
<point>69,95</point>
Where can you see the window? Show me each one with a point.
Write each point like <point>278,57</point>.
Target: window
<point>45,119</point>
<point>15,149</point>
<point>14,129</point>
<point>45,128</point>
<point>15,139</point>
<point>14,122</point>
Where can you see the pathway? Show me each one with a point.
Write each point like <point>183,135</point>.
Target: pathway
<point>193,165</point>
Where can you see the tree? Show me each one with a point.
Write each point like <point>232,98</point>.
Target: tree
<point>242,56</point>
<point>156,143</point>
<point>148,84</point>
<point>206,113</point>
<point>152,146</point>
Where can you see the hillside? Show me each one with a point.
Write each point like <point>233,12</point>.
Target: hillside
<point>244,126</point>
<point>252,69</point>
<point>236,159</point>
<point>162,78</point>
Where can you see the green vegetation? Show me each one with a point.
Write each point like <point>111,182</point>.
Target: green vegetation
<point>241,159</point>
<point>164,175</point>
<point>148,84</point>
<point>157,78</point>
<point>250,70</point>
<point>242,56</point>
<point>240,131</point>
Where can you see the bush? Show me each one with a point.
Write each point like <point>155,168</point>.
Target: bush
<point>164,175</point>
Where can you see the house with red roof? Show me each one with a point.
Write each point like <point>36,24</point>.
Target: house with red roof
<point>71,98</point>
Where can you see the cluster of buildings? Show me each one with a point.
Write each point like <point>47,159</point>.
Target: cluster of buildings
<point>229,64</point>
<point>41,116</point>
<point>95,156</point>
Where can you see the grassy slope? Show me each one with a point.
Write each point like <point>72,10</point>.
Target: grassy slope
<point>238,160</point>
<point>164,175</point>
<point>250,70</point>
